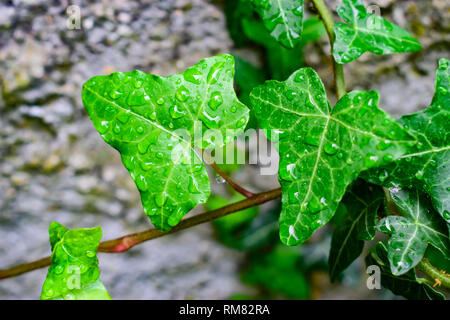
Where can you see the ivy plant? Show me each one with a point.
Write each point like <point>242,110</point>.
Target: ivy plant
<point>350,168</point>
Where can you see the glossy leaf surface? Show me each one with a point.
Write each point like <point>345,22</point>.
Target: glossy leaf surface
<point>361,203</point>
<point>322,150</point>
<point>282,18</point>
<point>411,233</point>
<point>155,122</point>
<point>427,165</point>
<point>366,32</point>
<point>74,272</point>
<point>406,285</point>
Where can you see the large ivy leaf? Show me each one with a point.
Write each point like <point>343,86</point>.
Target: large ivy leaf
<point>74,272</point>
<point>282,62</point>
<point>322,151</point>
<point>406,285</point>
<point>361,203</point>
<point>365,32</point>
<point>427,165</point>
<point>282,18</point>
<point>155,122</point>
<point>411,233</point>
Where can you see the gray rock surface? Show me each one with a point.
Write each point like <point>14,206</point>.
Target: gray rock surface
<point>54,165</point>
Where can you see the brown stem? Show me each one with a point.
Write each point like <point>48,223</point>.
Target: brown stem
<point>232,184</point>
<point>126,242</point>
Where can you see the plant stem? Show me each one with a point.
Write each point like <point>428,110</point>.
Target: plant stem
<point>232,184</point>
<point>338,69</point>
<point>126,242</point>
<point>428,269</point>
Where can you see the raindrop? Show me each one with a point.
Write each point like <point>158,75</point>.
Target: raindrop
<point>298,11</point>
<point>215,100</point>
<point>192,187</point>
<point>242,121</point>
<point>383,176</point>
<point>388,157</point>
<point>370,160</point>
<point>383,145</point>
<point>182,93</point>
<point>90,254</point>
<point>193,75</point>
<point>141,183</point>
<point>419,175</point>
<point>331,148</point>
<point>59,269</point>
<point>160,199</point>
<point>176,112</point>
<point>219,179</point>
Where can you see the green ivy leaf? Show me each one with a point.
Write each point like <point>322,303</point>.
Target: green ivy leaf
<point>322,151</point>
<point>406,285</point>
<point>74,272</point>
<point>282,18</point>
<point>155,122</point>
<point>361,203</point>
<point>365,32</point>
<point>427,165</point>
<point>411,233</point>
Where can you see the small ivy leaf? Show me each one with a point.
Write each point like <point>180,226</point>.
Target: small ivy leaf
<point>406,285</point>
<point>322,151</point>
<point>282,18</point>
<point>411,233</point>
<point>427,164</point>
<point>366,32</point>
<point>155,122</point>
<point>74,272</point>
<point>361,203</point>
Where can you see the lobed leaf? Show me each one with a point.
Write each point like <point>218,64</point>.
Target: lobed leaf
<point>361,203</point>
<point>282,18</point>
<point>322,151</point>
<point>74,273</point>
<point>156,122</point>
<point>411,233</point>
<point>366,32</point>
<point>406,285</point>
<point>427,164</point>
